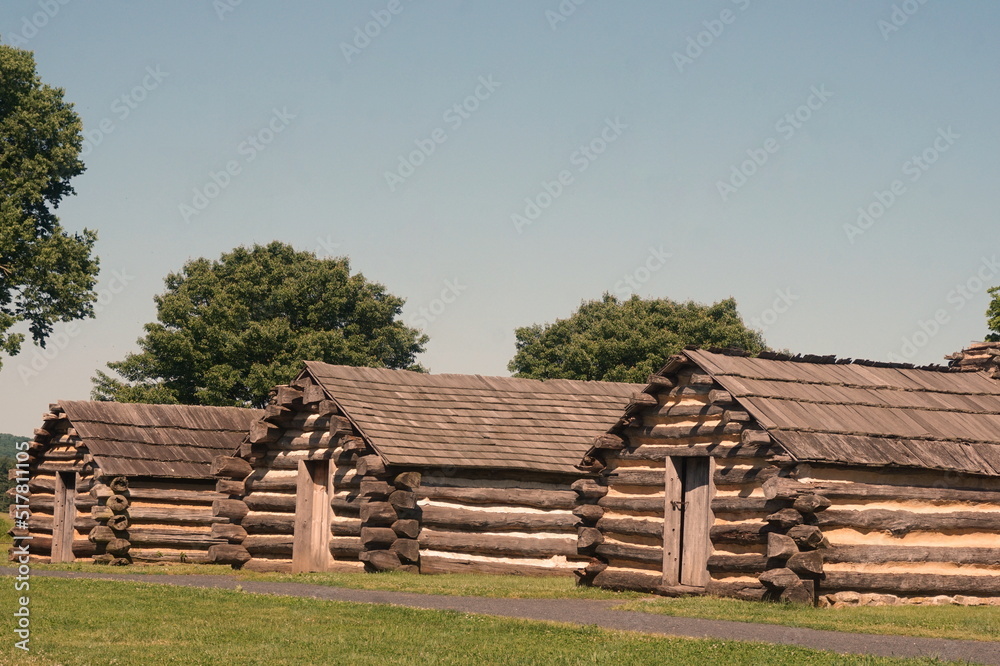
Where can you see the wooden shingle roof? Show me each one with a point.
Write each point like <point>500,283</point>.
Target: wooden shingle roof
<point>176,441</point>
<point>450,420</point>
<point>861,414</point>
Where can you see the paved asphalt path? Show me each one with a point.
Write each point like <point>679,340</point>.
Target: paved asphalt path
<point>591,612</point>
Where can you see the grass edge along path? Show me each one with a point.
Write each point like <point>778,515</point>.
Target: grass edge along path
<point>598,613</point>
<point>212,626</point>
<point>972,623</point>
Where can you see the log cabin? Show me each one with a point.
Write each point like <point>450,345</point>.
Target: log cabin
<point>805,479</point>
<point>120,483</point>
<point>357,469</point>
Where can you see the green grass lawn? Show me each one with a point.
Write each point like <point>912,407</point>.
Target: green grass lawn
<point>5,524</point>
<point>80,622</point>
<point>980,623</point>
<point>470,585</point>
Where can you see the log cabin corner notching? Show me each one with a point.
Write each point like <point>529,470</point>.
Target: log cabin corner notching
<point>373,469</point>
<point>806,479</point>
<point>117,483</point>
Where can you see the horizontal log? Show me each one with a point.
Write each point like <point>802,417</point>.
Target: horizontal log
<point>609,442</point>
<point>228,554</point>
<point>790,488</point>
<point>642,399</point>
<point>313,393</point>
<point>470,520</point>
<point>271,483</point>
<point>230,468</point>
<point>648,504</point>
<point>669,432</point>
<point>263,523</point>
<point>434,564</point>
<point>910,584</point>
<point>376,537</point>
<point>174,517</point>
<point>327,408</point>
<point>345,546</point>
<point>715,449</point>
<point>232,509</point>
<point>745,590</point>
<point>277,414</point>
<point>229,487</point>
<point>276,502</point>
<point>269,544</point>
<point>626,476</point>
<point>885,554</point>
<point>719,397</point>
<point>903,522</point>
<point>733,476</point>
<point>750,563</point>
<point>101,534</point>
<point>732,504</point>
<point>634,526</point>
<point>267,565</point>
<point>753,437</point>
<point>118,547</point>
<point>47,502</point>
<point>745,534</point>
<point>231,533</point>
<point>622,551</point>
<point>628,579</point>
<point>501,546</point>
<point>539,499</point>
<point>347,527</point>
<point>676,409</point>
<point>170,538</point>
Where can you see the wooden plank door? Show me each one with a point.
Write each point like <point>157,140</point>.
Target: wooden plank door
<point>311,540</point>
<point>64,511</point>
<point>687,519</point>
<point>697,544</point>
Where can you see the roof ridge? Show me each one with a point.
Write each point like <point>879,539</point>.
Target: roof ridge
<point>861,433</point>
<point>818,359</point>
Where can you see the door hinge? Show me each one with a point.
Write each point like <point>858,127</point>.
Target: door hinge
<point>677,504</point>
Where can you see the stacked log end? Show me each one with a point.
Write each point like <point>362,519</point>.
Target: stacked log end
<point>54,449</point>
<point>111,512</point>
<point>978,357</point>
<point>390,517</point>
<point>794,542</point>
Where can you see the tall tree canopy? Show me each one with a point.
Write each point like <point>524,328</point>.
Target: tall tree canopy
<point>625,341</point>
<point>993,315</point>
<point>46,274</point>
<point>229,330</point>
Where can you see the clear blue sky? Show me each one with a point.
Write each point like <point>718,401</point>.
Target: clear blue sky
<point>677,118</point>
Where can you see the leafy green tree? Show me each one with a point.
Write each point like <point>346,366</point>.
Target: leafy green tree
<point>8,444</point>
<point>230,329</point>
<point>46,273</point>
<point>625,341</point>
<point>993,314</point>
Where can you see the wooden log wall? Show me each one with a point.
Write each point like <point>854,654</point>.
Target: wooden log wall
<point>780,529</point>
<point>683,415</point>
<point>507,523</point>
<point>910,534</point>
<point>300,424</point>
<point>150,520</point>
<point>55,448</point>
<point>392,518</point>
